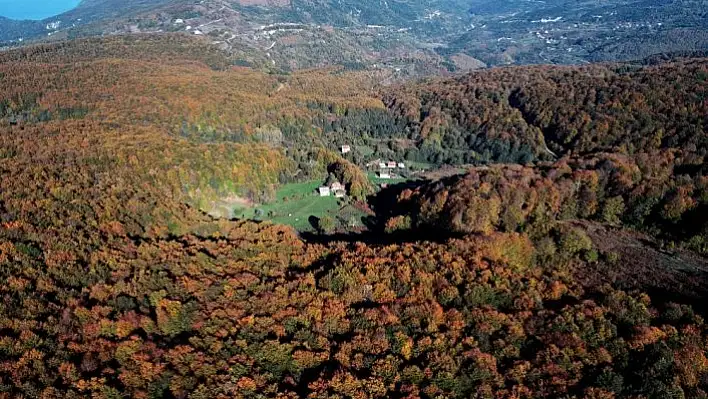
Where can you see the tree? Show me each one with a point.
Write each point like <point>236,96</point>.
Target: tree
<point>326,224</point>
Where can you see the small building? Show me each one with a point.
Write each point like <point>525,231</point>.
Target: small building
<point>340,193</point>
<point>198,32</point>
<point>346,149</point>
<point>384,175</point>
<point>325,191</point>
<point>336,186</point>
<point>382,165</point>
<point>392,164</point>
<point>401,165</point>
<point>179,21</point>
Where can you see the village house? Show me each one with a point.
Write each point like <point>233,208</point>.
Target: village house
<point>401,165</point>
<point>324,191</point>
<point>384,175</point>
<point>392,164</point>
<point>382,165</point>
<point>346,149</point>
<point>338,189</point>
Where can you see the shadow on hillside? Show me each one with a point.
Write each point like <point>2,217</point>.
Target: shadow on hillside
<point>666,275</point>
<point>386,204</point>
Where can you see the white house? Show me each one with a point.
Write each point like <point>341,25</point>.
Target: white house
<point>401,165</point>
<point>179,21</point>
<point>198,32</point>
<point>340,193</point>
<point>384,175</point>
<point>382,165</point>
<point>325,191</point>
<point>346,149</point>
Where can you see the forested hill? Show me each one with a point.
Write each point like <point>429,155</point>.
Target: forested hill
<point>617,142</point>
<point>115,283</point>
<point>543,112</point>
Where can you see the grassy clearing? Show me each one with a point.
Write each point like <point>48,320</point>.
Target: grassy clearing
<point>294,205</point>
<point>378,181</point>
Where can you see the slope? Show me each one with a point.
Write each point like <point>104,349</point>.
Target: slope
<point>406,38</point>
<point>115,285</point>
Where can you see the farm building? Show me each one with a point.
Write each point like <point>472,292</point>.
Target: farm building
<point>346,149</point>
<point>325,191</point>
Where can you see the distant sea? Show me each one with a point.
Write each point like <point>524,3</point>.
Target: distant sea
<point>35,9</point>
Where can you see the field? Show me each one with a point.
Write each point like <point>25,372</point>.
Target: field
<point>378,181</point>
<point>294,205</point>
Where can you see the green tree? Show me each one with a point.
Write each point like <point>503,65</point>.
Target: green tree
<point>326,224</point>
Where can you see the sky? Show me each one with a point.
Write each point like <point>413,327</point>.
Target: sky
<point>35,9</point>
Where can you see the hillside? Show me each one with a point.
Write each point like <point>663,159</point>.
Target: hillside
<point>404,38</point>
<point>66,24</point>
<point>530,275</point>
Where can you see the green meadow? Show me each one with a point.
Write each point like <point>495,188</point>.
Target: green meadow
<point>295,203</point>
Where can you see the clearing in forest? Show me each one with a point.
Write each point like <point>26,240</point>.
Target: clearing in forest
<point>294,205</point>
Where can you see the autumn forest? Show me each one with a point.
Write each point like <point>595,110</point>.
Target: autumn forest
<point>553,244</point>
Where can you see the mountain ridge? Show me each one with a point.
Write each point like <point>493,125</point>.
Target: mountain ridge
<point>407,38</point>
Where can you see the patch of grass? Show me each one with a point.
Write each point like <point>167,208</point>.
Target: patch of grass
<point>296,190</point>
<point>294,205</point>
<point>376,180</point>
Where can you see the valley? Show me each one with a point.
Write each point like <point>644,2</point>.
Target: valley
<point>400,39</point>
<point>263,199</point>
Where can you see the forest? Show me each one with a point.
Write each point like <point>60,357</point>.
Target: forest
<point>567,261</point>
<point>615,143</point>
